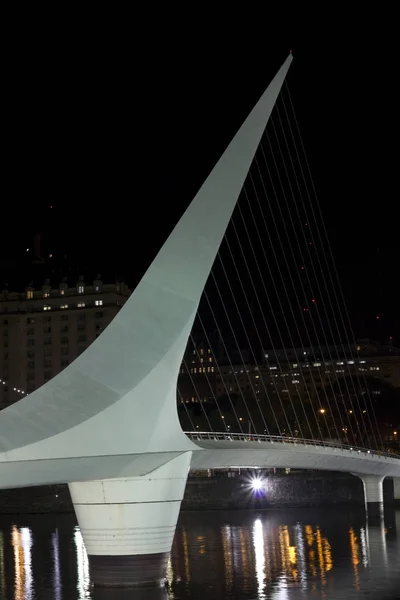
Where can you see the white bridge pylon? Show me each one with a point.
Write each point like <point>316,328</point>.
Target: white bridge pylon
<point>117,400</point>
<point>108,424</point>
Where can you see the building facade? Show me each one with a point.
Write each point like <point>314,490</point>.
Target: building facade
<point>43,331</point>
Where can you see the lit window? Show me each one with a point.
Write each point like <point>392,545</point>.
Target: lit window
<point>62,292</point>
<point>201,351</point>
<point>294,365</point>
<point>46,294</point>
<point>29,294</point>
<point>318,364</point>
<point>64,306</point>
<point>46,307</point>
<point>295,381</point>
<point>273,368</point>
<point>81,305</point>
<point>209,359</point>
<point>212,369</point>
<point>81,289</point>
<point>98,302</point>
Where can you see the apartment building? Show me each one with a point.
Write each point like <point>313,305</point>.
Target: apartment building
<point>44,330</point>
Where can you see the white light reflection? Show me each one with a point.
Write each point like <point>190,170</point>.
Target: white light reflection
<point>258,541</point>
<point>384,543</point>
<point>57,572</point>
<point>301,555</point>
<point>27,543</point>
<point>364,547</point>
<point>83,584</point>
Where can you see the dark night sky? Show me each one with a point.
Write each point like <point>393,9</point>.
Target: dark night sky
<point>117,136</point>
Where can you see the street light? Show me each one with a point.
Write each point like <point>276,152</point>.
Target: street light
<point>322,411</point>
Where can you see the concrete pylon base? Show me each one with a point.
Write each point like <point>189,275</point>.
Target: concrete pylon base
<point>128,525</point>
<point>373,494</point>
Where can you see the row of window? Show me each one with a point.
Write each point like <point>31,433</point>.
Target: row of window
<point>48,319</point>
<point>49,341</point>
<point>80,288</point>
<point>78,305</point>
<point>63,329</point>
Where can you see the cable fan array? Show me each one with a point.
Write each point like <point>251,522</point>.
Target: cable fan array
<point>273,315</point>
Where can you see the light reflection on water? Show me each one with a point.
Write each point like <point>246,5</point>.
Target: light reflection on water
<point>286,555</point>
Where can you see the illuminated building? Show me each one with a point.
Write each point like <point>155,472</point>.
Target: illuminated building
<point>42,331</point>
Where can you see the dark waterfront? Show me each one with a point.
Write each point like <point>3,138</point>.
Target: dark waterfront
<point>280,555</point>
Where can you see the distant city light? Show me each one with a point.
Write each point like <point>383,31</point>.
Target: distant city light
<point>322,411</point>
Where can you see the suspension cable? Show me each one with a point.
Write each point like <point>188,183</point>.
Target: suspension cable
<point>338,286</point>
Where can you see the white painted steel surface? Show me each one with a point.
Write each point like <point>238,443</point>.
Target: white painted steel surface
<point>373,488</point>
<point>119,397</point>
<point>396,488</point>
<point>231,453</point>
<point>132,516</point>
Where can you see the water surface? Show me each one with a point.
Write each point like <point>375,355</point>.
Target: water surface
<point>279,555</point>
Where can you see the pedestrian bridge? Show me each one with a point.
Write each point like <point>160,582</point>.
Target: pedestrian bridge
<point>108,425</point>
<point>236,450</point>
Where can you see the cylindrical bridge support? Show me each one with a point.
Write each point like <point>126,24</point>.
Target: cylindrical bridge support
<point>128,524</point>
<point>373,494</point>
<point>396,490</point>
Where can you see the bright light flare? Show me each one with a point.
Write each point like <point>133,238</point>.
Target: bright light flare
<point>257,484</point>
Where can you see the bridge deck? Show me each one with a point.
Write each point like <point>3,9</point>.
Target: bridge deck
<point>222,450</point>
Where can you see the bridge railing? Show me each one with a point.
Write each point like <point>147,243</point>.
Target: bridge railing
<point>224,436</point>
